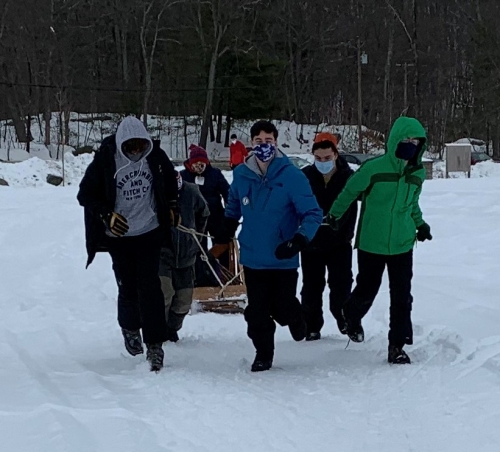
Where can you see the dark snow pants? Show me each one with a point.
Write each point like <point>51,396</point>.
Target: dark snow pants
<point>177,287</point>
<point>370,270</point>
<point>271,297</point>
<point>337,261</point>
<point>136,262</point>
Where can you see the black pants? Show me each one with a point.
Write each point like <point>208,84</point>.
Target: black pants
<point>370,270</point>
<point>136,262</point>
<point>338,262</point>
<point>271,297</point>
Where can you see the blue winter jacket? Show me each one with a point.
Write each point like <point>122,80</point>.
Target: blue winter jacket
<point>274,208</point>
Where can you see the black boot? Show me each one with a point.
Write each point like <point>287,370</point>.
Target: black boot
<point>298,329</point>
<point>262,363</point>
<point>354,329</point>
<point>342,326</point>
<point>313,336</point>
<point>155,356</point>
<point>397,355</point>
<point>133,341</point>
<point>172,336</point>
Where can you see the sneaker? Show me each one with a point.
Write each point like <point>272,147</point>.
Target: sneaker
<point>260,365</point>
<point>397,355</point>
<point>155,356</point>
<point>172,336</point>
<point>354,329</point>
<point>298,329</point>
<point>313,336</point>
<point>133,341</point>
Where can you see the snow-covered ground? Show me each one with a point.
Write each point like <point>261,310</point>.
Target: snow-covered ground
<point>68,386</point>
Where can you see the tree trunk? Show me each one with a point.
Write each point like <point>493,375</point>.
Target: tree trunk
<point>207,113</point>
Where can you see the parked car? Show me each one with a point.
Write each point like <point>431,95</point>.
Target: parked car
<point>356,158</point>
<point>478,157</point>
<point>298,162</point>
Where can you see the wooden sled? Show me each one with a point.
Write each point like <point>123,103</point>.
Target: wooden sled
<point>230,297</point>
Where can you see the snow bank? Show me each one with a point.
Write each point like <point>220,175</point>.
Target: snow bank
<point>33,171</point>
<point>483,169</point>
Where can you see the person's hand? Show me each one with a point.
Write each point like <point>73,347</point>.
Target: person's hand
<point>290,248</point>
<point>116,223</point>
<point>227,232</point>
<point>424,233</point>
<point>332,222</point>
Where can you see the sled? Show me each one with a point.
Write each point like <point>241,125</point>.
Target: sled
<point>229,297</point>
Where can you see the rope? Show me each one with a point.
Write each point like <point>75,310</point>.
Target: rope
<point>205,258</point>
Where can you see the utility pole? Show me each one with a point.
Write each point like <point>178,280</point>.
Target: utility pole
<point>360,100</point>
<point>362,60</point>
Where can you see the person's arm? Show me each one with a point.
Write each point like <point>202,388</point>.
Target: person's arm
<point>201,212</point>
<point>306,205</point>
<point>90,194</point>
<point>355,186</point>
<point>416,213</point>
<point>223,186</point>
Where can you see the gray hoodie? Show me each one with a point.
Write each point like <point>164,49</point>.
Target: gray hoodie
<point>134,181</point>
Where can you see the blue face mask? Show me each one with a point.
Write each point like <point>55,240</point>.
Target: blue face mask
<point>406,150</point>
<point>264,152</point>
<point>325,167</point>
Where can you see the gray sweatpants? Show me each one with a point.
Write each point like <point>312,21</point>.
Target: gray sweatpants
<point>177,287</point>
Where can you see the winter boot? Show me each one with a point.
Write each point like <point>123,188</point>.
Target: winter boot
<point>313,336</point>
<point>342,326</point>
<point>172,336</point>
<point>155,356</point>
<point>397,355</point>
<point>298,329</point>
<point>261,363</point>
<point>354,329</point>
<point>133,341</point>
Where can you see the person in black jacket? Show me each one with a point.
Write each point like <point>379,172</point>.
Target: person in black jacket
<point>177,263</point>
<point>329,249</point>
<point>129,193</point>
<point>214,188</point>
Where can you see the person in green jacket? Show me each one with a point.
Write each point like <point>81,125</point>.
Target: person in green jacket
<point>390,222</point>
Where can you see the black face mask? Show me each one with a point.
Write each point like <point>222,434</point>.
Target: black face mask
<point>406,151</point>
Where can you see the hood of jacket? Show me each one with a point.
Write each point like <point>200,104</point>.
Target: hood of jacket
<point>402,129</point>
<point>130,128</point>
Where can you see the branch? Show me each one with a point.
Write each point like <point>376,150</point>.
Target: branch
<point>400,20</point>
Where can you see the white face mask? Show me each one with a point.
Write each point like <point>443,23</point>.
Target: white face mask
<point>233,141</point>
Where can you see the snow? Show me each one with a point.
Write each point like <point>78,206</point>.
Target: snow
<point>67,384</point>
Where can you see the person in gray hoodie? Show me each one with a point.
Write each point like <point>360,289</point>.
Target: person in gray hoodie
<point>177,263</point>
<point>129,193</point>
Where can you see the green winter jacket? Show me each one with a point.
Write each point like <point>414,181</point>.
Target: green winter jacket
<point>389,190</point>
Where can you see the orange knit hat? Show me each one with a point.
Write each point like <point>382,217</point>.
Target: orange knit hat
<point>326,136</point>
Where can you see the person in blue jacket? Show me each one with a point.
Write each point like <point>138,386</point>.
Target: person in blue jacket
<point>280,216</point>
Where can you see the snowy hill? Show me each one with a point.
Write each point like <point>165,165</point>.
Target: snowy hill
<point>67,385</point>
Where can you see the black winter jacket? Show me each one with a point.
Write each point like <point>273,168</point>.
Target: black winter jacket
<point>326,238</point>
<point>194,213</point>
<point>214,188</point>
<point>97,193</point>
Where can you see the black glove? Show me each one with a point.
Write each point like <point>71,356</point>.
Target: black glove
<point>116,223</point>
<point>424,233</point>
<point>332,222</point>
<point>175,215</point>
<point>291,248</point>
<point>227,231</point>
